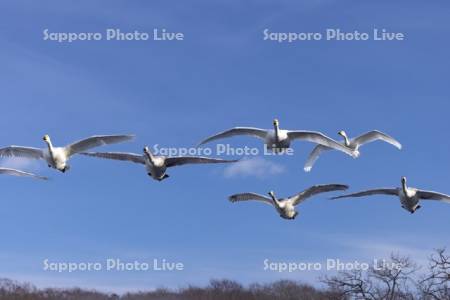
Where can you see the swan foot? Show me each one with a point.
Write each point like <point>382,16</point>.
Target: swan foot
<point>163,177</point>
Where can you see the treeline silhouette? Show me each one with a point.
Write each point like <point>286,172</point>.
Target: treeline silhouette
<point>399,278</point>
<point>217,290</point>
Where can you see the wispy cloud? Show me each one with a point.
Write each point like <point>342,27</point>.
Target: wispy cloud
<point>256,167</point>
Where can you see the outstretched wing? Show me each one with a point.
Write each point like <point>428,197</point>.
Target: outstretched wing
<point>95,141</point>
<point>18,151</point>
<point>394,192</point>
<point>313,156</point>
<point>183,160</point>
<point>249,197</point>
<point>376,135</point>
<point>321,139</point>
<point>314,190</point>
<point>14,172</point>
<point>136,158</point>
<point>430,195</point>
<point>256,132</point>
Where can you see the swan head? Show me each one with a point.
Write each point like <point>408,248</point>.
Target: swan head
<point>148,154</point>
<point>46,138</point>
<point>342,133</point>
<point>276,123</point>
<point>403,180</point>
<point>346,140</point>
<point>272,194</point>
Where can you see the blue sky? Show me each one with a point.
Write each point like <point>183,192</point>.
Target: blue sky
<point>176,93</point>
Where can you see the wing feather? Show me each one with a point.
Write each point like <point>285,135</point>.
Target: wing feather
<point>256,132</point>
<point>183,160</point>
<point>250,197</point>
<point>316,189</point>
<point>377,135</point>
<point>14,172</point>
<point>321,139</point>
<point>430,195</point>
<point>96,141</point>
<point>383,191</point>
<point>314,156</point>
<point>136,158</point>
<point>18,151</point>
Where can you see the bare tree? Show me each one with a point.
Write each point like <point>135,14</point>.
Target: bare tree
<point>436,284</point>
<point>387,280</point>
<point>355,284</point>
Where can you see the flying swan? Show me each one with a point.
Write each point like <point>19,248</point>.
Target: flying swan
<point>286,206</point>
<point>409,197</point>
<point>156,165</point>
<point>277,139</point>
<point>353,144</point>
<point>14,172</point>
<point>57,157</point>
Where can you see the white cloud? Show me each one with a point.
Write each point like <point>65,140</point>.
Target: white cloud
<point>256,167</point>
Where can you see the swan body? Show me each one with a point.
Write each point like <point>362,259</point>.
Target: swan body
<point>353,144</point>
<point>286,206</point>
<point>157,165</point>
<point>409,197</point>
<point>15,172</point>
<point>58,157</point>
<point>277,139</point>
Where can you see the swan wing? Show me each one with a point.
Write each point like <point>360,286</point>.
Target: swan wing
<point>18,151</point>
<point>313,156</point>
<point>136,158</point>
<point>183,160</point>
<point>314,190</point>
<point>383,191</point>
<point>375,135</point>
<point>250,197</point>
<point>15,172</point>
<point>319,138</point>
<point>256,132</point>
<point>95,141</point>
<point>430,195</point>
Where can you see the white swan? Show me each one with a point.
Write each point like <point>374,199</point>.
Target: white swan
<point>409,197</point>
<point>353,144</point>
<point>156,165</point>
<point>14,172</point>
<point>286,206</point>
<point>57,157</point>
<point>277,139</point>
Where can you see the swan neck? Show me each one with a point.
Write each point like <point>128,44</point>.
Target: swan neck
<point>277,131</point>
<point>346,140</point>
<point>404,187</point>
<point>49,145</point>
<point>150,156</point>
<point>275,201</point>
